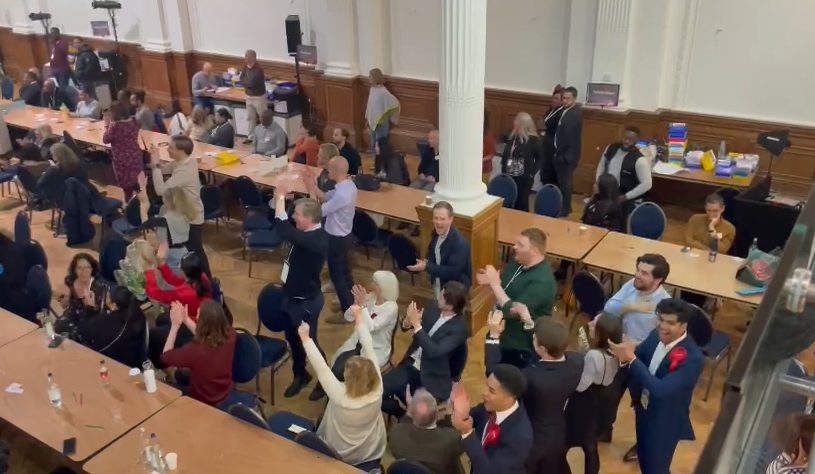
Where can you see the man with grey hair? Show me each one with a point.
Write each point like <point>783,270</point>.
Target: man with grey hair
<point>302,298</point>
<point>419,439</point>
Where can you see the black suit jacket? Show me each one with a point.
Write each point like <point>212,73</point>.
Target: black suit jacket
<point>549,386</point>
<point>508,455</point>
<point>223,135</point>
<point>31,94</point>
<point>530,151</point>
<point>437,351</point>
<point>455,259</point>
<point>56,101</point>
<point>568,136</point>
<point>438,449</point>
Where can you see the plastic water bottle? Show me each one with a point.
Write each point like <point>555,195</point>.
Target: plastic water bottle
<point>722,150</point>
<point>54,394</point>
<point>48,324</point>
<point>104,375</point>
<point>156,457</point>
<point>714,249</point>
<point>753,246</point>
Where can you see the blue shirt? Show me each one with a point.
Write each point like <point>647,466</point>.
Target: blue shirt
<point>338,208</point>
<point>636,326</point>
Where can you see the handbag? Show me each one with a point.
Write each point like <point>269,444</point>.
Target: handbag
<point>367,182</point>
<point>759,268</point>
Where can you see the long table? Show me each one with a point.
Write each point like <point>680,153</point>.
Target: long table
<point>13,327</point>
<point>691,270</point>
<point>707,178</point>
<point>209,440</point>
<point>93,414</point>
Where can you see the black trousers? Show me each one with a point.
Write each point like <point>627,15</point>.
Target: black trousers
<point>195,243</point>
<point>524,184</point>
<point>547,461</point>
<point>297,311</point>
<point>339,268</point>
<point>610,403</point>
<point>565,179</point>
<point>394,384</point>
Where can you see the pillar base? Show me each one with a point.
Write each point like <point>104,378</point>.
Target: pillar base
<point>481,230</point>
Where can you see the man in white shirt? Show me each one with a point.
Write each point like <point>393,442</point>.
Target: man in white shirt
<point>663,372</point>
<point>87,107</point>
<point>624,161</point>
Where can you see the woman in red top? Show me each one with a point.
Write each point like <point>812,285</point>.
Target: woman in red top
<point>307,146</point>
<point>122,134</point>
<point>190,292</point>
<point>208,357</point>
<point>489,150</point>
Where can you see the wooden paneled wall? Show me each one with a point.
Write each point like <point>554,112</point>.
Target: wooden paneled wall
<point>340,102</point>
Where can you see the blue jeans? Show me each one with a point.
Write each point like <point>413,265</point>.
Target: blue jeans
<point>205,102</point>
<point>173,259</point>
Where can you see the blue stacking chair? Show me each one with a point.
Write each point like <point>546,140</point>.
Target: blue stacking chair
<point>274,351</point>
<point>6,179</point>
<point>213,203</point>
<point>38,287</point>
<point>7,88</point>
<point>589,294</point>
<point>310,440</point>
<point>266,240</point>
<point>369,235</point>
<point>647,220</point>
<point>403,466</point>
<point>130,223</point>
<point>715,344</point>
<point>244,413</point>
<point>504,186</point>
<point>403,253</point>
<point>280,422</point>
<point>549,201</point>
<point>112,250</point>
<point>246,366</point>
<point>22,229</point>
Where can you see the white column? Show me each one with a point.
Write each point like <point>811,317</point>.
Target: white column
<point>373,35</point>
<point>461,105</point>
<point>177,21</point>
<point>580,46</point>
<point>152,26</point>
<point>333,24</point>
<point>611,47</point>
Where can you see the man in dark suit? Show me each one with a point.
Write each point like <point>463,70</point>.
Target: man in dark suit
<point>31,89</point>
<point>303,300</point>
<point>420,440</point>
<point>54,97</point>
<point>497,435</point>
<point>550,382</point>
<point>436,338</point>
<point>448,255</point>
<point>663,370</point>
<point>567,146</point>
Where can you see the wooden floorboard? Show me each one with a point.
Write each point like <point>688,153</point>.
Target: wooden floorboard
<point>223,249</point>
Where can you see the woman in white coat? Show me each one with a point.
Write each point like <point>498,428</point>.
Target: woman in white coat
<point>380,312</point>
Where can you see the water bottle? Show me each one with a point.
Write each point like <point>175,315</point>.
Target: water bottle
<point>156,458</point>
<point>54,394</point>
<point>753,246</point>
<point>104,375</point>
<point>714,249</point>
<point>722,150</point>
<point>48,324</point>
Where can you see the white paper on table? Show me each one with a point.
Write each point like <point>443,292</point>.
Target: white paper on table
<point>667,169</point>
<point>222,89</point>
<point>296,429</point>
<point>15,388</point>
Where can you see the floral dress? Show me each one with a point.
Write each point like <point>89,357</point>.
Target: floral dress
<point>127,156</point>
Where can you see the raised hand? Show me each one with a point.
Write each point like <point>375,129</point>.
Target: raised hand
<point>303,331</point>
<point>360,295</point>
<point>178,313</point>
<point>496,323</point>
<point>414,315</point>
<point>419,266</point>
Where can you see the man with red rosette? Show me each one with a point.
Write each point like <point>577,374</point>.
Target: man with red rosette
<point>663,371</point>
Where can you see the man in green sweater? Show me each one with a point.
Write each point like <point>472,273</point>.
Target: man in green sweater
<point>528,280</point>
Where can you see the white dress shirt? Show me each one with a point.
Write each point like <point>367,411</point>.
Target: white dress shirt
<point>661,351</point>
<point>500,416</point>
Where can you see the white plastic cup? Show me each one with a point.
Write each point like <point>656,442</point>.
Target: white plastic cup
<point>150,381</point>
<point>172,461</point>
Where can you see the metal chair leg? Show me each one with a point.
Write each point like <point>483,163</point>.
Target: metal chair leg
<point>250,263</point>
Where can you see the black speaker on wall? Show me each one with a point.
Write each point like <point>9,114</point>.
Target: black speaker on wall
<point>293,35</point>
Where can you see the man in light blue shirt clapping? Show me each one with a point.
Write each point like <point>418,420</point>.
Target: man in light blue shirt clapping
<point>636,304</point>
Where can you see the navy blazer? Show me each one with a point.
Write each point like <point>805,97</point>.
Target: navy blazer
<point>437,350</point>
<point>455,259</point>
<point>509,453</point>
<point>667,417</point>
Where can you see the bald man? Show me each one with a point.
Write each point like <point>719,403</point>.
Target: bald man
<point>203,82</point>
<point>429,164</point>
<point>254,82</point>
<point>338,210</point>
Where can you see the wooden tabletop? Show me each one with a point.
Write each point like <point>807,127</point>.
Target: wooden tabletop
<point>709,178</point>
<point>13,327</point>
<point>110,411</point>
<point>565,239</point>
<point>229,94</point>
<point>691,270</point>
<point>392,200</point>
<point>208,440</point>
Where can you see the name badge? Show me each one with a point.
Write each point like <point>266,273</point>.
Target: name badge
<point>285,272</point>
<point>644,398</point>
<point>267,139</point>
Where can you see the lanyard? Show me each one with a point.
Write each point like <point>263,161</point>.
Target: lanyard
<point>563,115</point>
<point>517,272</point>
<point>551,114</point>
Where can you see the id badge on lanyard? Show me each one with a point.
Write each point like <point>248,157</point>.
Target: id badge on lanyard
<point>284,273</point>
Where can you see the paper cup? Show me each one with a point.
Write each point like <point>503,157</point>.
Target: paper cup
<point>172,461</point>
<point>582,229</point>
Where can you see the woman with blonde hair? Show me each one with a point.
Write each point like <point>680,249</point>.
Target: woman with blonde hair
<point>173,222</point>
<point>352,423</point>
<point>522,157</point>
<point>199,125</point>
<point>379,313</point>
<point>382,109</point>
